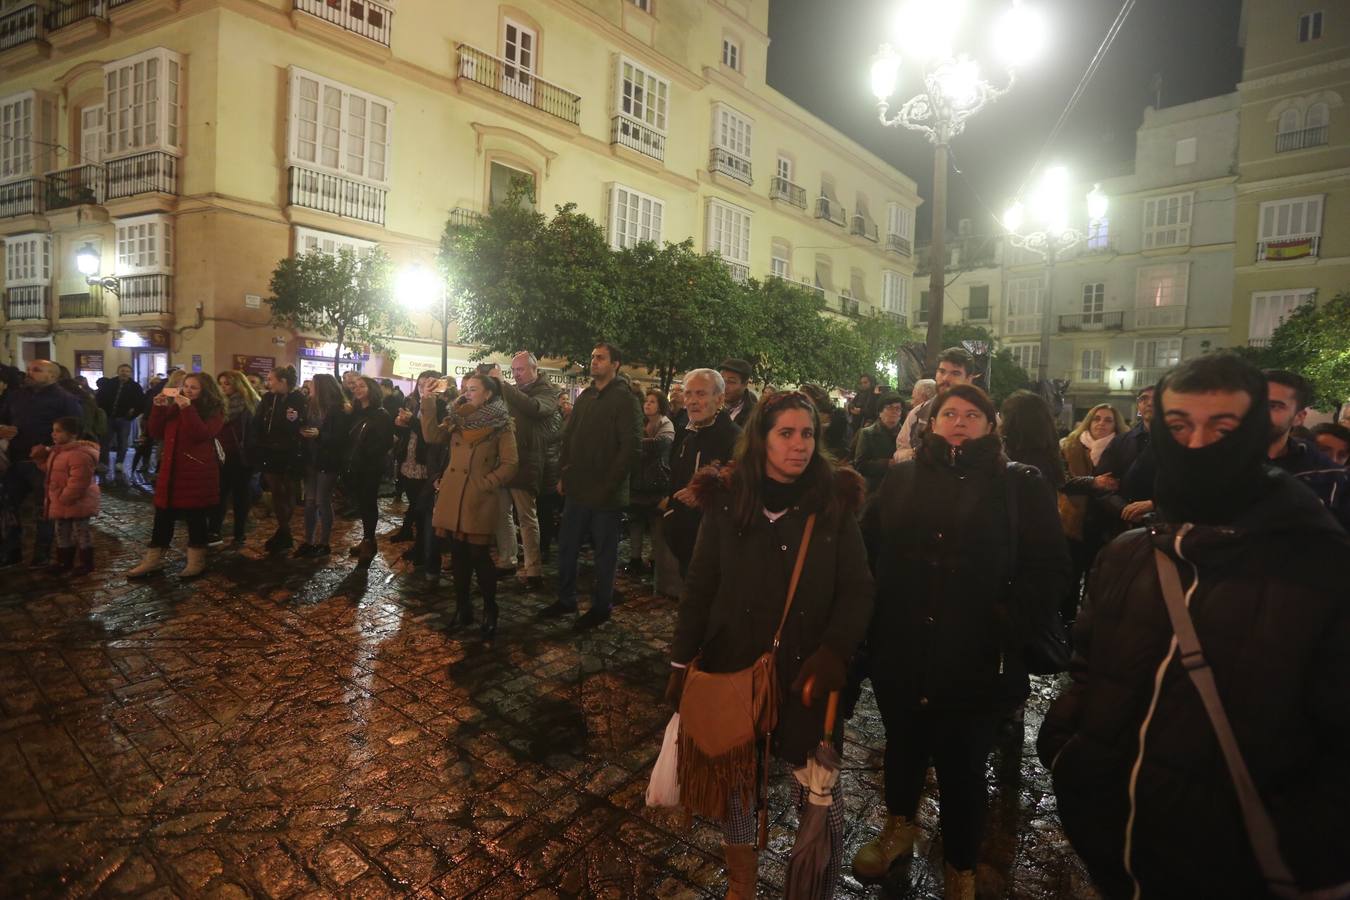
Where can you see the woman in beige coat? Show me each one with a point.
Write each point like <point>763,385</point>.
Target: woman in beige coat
<point>483,458</point>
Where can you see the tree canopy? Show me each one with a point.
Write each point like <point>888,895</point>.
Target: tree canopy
<point>1314,342</point>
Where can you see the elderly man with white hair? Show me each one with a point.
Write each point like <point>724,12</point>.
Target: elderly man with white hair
<point>533,402</point>
<point>708,439</point>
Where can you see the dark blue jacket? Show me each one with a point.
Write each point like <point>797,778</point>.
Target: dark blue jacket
<point>33,410</point>
<point>1330,482</point>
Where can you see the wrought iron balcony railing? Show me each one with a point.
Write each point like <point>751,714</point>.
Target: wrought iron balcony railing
<point>899,245</point>
<point>782,189</point>
<point>831,211</point>
<point>728,163</point>
<point>1101,321</point>
<point>369,20</point>
<point>740,272</point>
<point>464,218</point>
<point>143,173</point>
<point>1173,316</point>
<point>89,305</point>
<point>142,295</point>
<point>863,228</point>
<point>337,195</point>
<point>27,303</point>
<point>1304,137</point>
<point>519,84</point>
<point>634,135</point>
<point>21,198</point>
<point>74,187</point>
<point>61,14</point>
<point>22,26</point>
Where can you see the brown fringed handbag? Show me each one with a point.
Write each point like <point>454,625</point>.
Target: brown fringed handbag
<point>722,716</point>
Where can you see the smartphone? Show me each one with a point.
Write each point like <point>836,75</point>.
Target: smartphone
<point>170,392</point>
<point>442,386</point>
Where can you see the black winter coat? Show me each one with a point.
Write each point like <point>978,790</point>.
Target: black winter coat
<point>693,449</point>
<point>1272,613</point>
<point>532,410</point>
<point>370,437</point>
<point>955,597</point>
<point>600,445</point>
<point>119,399</point>
<point>277,423</point>
<point>328,451</point>
<point>737,585</point>
<point>873,451</point>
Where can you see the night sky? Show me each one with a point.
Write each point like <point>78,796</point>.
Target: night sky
<point>821,53</point>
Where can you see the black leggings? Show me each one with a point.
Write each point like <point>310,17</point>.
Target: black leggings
<point>161,533</point>
<point>467,560</point>
<point>283,498</point>
<point>236,490</point>
<point>365,493</point>
<point>957,743</point>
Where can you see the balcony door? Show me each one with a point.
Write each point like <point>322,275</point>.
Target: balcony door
<point>518,72</point>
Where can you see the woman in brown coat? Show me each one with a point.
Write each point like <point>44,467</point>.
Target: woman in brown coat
<point>483,458</point>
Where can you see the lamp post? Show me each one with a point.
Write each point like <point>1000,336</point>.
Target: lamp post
<point>88,262</point>
<point>1049,208</point>
<point>953,91</point>
<point>416,285</point>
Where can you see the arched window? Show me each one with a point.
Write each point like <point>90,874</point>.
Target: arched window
<point>1318,115</point>
<point>1288,121</point>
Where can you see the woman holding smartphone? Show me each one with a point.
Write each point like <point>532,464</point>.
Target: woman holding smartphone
<point>370,435</point>
<point>327,421</point>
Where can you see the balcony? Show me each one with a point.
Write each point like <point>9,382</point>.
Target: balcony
<point>74,187</point>
<point>848,305</point>
<point>507,78</point>
<point>83,306</point>
<point>1148,377</point>
<point>1304,137</point>
<point>1298,247</point>
<point>21,198</point>
<point>782,189</point>
<point>145,295</point>
<point>464,218</point>
<point>1173,316</point>
<point>28,303</point>
<point>1102,321</point>
<point>144,173</point>
<point>863,228</point>
<point>71,11</point>
<point>898,318</point>
<point>728,163</point>
<point>975,314</point>
<point>740,272</point>
<point>634,135</point>
<point>361,17</point>
<point>22,26</point>
<point>815,289</point>
<point>899,245</point>
<point>1258,342</point>
<point>831,211</point>
<point>336,195</point>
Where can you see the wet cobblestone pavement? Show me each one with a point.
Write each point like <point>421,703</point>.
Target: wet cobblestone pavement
<point>290,728</point>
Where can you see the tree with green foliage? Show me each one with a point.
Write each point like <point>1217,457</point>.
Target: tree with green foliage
<point>879,339</point>
<point>786,337</point>
<point>1002,375</point>
<point>1315,342</point>
<point>343,296</point>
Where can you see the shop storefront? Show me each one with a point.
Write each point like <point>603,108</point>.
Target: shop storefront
<point>315,357</point>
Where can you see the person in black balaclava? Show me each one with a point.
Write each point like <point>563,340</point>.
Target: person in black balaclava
<point>1143,791</point>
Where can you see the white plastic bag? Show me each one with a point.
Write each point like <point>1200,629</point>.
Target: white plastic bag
<point>664,788</point>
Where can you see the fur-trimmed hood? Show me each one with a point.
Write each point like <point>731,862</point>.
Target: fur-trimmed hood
<point>708,482</point>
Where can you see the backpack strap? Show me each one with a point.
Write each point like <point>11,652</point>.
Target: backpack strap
<point>1260,827</point>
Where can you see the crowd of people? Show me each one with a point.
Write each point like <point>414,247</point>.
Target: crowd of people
<point>937,545</point>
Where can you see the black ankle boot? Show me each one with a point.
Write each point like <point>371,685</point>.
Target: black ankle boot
<point>489,627</point>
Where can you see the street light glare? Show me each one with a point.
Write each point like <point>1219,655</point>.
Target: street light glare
<point>927,28</point>
<point>1097,203</point>
<point>1012,217</point>
<point>416,286</point>
<point>87,260</point>
<point>960,82</point>
<point>1020,35</point>
<point>885,72</point>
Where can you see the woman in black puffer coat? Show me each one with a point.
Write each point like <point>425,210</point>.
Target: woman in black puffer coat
<point>369,440</point>
<point>277,424</point>
<point>969,555</point>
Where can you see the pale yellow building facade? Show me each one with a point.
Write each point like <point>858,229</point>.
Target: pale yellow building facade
<point>192,144</point>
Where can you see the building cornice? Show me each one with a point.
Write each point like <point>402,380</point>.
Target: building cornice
<point>1288,181</point>
<point>1256,84</point>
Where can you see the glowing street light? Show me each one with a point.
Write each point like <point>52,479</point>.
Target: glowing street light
<point>953,90</point>
<point>416,287</point>
<point>88,262</point>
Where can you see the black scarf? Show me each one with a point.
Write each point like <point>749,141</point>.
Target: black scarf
<point>778,496</point>
<point>1211,485</point>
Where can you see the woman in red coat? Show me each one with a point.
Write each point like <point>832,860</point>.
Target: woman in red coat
<point>188,483</point>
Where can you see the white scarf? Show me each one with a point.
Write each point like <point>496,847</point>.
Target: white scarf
<point>1095,446</point>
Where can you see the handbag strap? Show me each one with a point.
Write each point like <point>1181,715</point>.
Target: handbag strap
<point>796,577</point>
<point>1260,828</point>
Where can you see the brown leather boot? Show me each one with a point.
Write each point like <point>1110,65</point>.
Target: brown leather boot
<point>62,561</point>
<point>742,871</point>
<point>874,859</point>
<point>958,884</point>
<point>365,554</point>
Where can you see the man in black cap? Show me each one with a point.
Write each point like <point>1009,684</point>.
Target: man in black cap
<point>739,400</point>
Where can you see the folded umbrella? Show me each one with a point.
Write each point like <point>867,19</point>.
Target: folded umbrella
<point>809,864</point>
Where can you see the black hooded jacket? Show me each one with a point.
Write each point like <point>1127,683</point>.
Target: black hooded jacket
<point>1272,613</point>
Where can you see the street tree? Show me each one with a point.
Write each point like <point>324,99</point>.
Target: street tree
<point>343,296</point>
<point>788,340</point>
<point>1315,342</point>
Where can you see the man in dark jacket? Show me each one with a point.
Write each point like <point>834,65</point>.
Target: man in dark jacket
<point>599,449</point>
<point>122,399</point>
<point>1143,789</point>
<point>739,399</point>
<point>875,451</point>
<point>1290,398</point>
<point>532,401</point>
<point>28,408</point>
<point>708,440</point>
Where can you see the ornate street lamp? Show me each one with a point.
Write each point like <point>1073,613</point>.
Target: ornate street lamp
<point>1048,208</point>
<point>87,261</point>
<point>953,91</point>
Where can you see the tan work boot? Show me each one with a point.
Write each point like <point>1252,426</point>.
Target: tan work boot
<point>149,563</point>
<point>958,884</point>
<point>742,871</point>
<point>873,860</point>
<point>196,563</point>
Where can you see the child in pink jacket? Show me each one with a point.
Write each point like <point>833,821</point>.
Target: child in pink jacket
<point>72,494</point>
